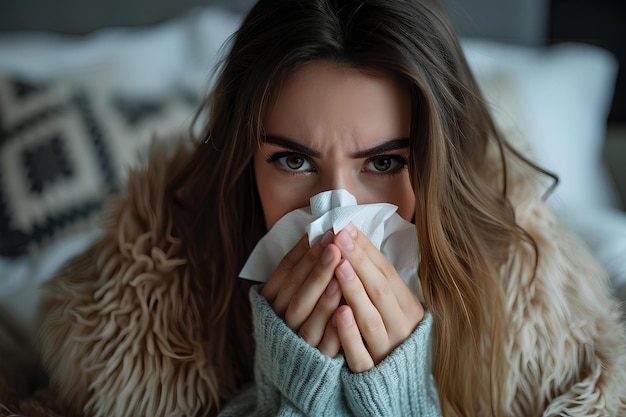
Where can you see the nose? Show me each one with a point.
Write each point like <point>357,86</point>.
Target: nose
<point>343,179</point>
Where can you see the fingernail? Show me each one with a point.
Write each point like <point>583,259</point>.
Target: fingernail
<point>345,270</point>
<point>326,238</point>
<point>332,287</point>
<point>351,229</point>
<point>345,241</point>
<point>327,256</point>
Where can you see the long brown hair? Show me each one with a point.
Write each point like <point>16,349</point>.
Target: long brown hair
<point>464,224</point>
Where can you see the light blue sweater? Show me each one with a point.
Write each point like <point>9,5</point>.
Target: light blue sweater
<point>294,379</point>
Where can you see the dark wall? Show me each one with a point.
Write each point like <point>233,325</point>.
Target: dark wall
<point>84,16</point>
<point>516,21</point>
<point>509,20</point>
<point>598,22</point>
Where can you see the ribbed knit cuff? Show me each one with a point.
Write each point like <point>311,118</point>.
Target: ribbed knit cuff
<point>402,384</point>
<point>302,374</point>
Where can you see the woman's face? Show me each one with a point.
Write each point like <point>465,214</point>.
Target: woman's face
<point>335,127</point>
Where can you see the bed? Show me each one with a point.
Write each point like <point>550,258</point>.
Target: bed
<point>76,112</point>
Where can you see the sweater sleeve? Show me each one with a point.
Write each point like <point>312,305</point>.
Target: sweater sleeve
<point>294,379</point>
<point>291,377</point>
<point>402,384</point>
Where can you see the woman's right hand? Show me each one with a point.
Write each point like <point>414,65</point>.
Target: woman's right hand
<point>304,292</point>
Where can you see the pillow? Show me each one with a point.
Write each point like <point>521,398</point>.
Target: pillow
<point>558,98</point>
<point>563,94</point>
<point>64,148</point>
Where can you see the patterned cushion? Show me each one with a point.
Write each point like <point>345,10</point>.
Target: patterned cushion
<point>64,149</point>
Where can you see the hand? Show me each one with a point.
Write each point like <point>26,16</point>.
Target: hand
<point>303,291</point>
<point>381,310</point>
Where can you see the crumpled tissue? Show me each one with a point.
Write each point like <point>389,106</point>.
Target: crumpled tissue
<point>333,210</point>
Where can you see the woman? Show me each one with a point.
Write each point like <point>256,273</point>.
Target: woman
<point>374,97</point>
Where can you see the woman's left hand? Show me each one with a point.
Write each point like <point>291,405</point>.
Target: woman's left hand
<point>381,310</point>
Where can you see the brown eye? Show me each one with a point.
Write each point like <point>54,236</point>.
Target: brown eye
<point>294,162</point>
<point>291,162</point>
<point>385,164</point>
<point>382,164</point>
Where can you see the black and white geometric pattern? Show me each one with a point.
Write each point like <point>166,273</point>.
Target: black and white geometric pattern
<point>63,150</point>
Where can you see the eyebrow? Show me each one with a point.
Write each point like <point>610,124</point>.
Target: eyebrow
<point>292,145</point>
<point>385,147</point>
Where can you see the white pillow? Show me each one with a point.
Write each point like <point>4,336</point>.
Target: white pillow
<point>563,96</point>
<point>558,98</point>
<point>144,62</point>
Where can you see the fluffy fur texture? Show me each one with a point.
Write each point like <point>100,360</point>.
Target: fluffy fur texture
<point>121,327</point>
<point>566,347</point>
<point>121,333</point>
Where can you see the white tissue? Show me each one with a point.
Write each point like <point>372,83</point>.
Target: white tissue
<point>393,236</point>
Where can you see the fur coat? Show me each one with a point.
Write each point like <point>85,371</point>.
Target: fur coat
<point>119,324</point>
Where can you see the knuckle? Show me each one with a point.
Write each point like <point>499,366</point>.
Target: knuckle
<point>388,270</point>
<point>362,242</point>
<point>399,334</point>
<point>295,307</point>
<point>380,292</point>
<point>329,304</point>
<point>288,285</point>
<point>372,326</point>
<point>317,277</point>
<point>285,265</point>
<point>358,257</point>
<point>306,334</point>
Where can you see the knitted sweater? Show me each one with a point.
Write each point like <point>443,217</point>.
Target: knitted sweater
<point>294,379</point>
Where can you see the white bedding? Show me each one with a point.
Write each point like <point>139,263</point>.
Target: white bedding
<point>558,97</point>
<point>144,61</point>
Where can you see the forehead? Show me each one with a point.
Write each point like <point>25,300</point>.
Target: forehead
<point>323,100</point>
